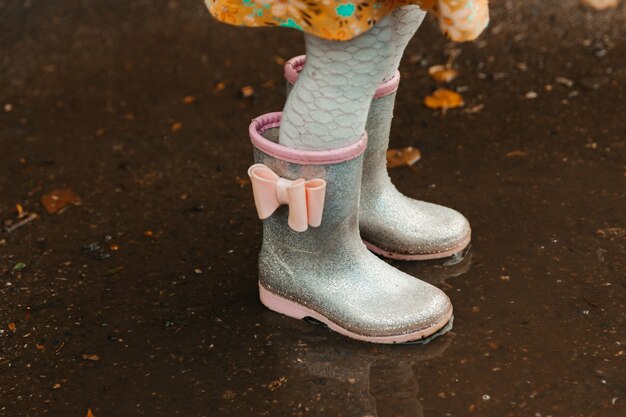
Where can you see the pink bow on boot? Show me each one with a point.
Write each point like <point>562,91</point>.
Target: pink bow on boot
<point>304,198</point>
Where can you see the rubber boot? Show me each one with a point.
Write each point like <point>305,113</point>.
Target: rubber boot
<point>391,224</point>
<point>313,263</point>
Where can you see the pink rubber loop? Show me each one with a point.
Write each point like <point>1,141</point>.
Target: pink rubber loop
<point>294,66</point>
<point>304,157</point>
<point>388,87</point>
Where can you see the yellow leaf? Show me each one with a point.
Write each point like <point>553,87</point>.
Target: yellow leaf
<point>442,73</point>
<point>89,413</point>
<point>247,91</point>
<point>406,156</point>
<point>176,127</point>
<point>443,99</point>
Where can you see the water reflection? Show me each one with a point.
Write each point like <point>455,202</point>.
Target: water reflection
<point>439,271</point>
<point>383,377</point>
<point>374,380</point>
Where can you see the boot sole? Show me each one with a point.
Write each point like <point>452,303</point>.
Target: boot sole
<point>419,256</point>
<point>294,310</point>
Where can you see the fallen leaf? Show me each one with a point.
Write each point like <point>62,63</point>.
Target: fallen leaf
<point>274,385</point>
<point>444,99</point>
<point>268,84</point>
<point>55,201</point>
<point>516,153</point>
<point>611,232</point>
<point>601,4</point>
<point>242,181</point>
<point>442,73</point>
<point>279,60</point>
<point>18,266</point>
<point>89,413</point>
<point>220,86</point>
<point>56,386</point>
<point>20,211</point>
<point>176,127</point>
<point>400,157</point>
<point>91,357</point>
<point>12,327</point>
<point>148,233</point>
<point>247,91</point>
<point>189,100</point>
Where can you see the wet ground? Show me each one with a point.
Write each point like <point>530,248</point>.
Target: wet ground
<point>143,301</point>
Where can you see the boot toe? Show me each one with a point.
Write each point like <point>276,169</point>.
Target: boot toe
<point>406,227</point>
<point>393,304</point>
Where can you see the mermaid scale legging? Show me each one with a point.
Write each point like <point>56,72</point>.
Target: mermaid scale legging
<point>328,105</point>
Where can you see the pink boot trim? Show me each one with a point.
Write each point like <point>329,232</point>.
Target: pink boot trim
<point>296,156</point>
<point>291,309</point>
<point>294,66</point>
<point>421,256</point>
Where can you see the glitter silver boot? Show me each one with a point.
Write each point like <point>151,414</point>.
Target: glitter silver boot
<point>313,262</point>
<point>391,224</point>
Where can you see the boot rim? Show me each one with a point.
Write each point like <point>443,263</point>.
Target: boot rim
<point>298,156</point>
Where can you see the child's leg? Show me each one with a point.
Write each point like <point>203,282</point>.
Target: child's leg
<point>328,105</point>
<point>405,22</point>
<point>393,224</point>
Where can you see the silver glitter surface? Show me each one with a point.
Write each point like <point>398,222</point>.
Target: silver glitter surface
<point>329,270</point>
<point>390,220</point>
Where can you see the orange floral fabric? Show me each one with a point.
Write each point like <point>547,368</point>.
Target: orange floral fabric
<point>460,20</point>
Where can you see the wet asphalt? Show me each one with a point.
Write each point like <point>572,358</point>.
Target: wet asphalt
<point>142,300</point>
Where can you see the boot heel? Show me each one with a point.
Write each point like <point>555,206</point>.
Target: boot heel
<point>281,305</point>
